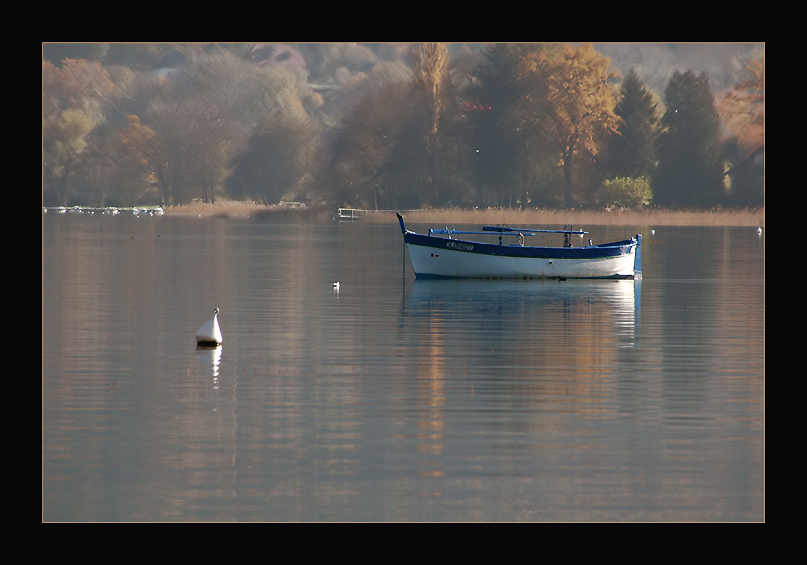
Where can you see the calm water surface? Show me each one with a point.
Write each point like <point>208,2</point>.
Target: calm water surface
<point>393,399</point>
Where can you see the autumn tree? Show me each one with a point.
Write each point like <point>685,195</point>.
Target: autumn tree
<point>689,149</point>
<point>63,146</point>
<point>376,159</point>
<point>275,161</point>
<point>117,176</point>
<point>75,98</point>
<point>186,139</point>
<point>742,111</point>
<point>568,98</point>
<point>140,140</point>
<point>431,78</point>
<point>214,138</point>
<point>431,68</point>
<point>78,84</point>
<point>248,92</point>
<point>743,108</point>
<point>389,148</point>
<point>187,143</point>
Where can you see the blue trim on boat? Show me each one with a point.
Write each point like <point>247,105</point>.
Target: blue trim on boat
<point>429,276</point>
<point>637,262</point>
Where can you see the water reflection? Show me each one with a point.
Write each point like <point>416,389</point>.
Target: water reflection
<point>550,308</point>
<point>509,362</point>
<point>210,358</point>
<point>427,400</point>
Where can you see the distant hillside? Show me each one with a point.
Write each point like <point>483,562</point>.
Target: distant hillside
<point>655,63</point>
<point>723,63</point>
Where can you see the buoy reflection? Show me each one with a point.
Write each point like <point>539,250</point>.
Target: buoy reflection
<point>210,357</point>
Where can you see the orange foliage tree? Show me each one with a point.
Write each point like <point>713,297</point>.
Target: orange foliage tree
<point>141,140</point>
<point>568,97</point>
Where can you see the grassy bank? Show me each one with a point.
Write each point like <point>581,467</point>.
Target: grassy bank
<point>530,217</point>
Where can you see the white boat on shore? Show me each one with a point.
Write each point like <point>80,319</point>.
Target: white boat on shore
<point>439,254</point>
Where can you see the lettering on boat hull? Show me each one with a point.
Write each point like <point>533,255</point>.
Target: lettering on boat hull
<point>460,246</point>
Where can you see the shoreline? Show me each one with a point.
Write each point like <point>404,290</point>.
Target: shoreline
<point>750,217</point>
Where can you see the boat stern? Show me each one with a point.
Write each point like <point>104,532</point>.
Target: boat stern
<point>637,261</point>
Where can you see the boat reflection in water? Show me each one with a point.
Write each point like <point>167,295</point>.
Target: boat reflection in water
<point>545,317</point>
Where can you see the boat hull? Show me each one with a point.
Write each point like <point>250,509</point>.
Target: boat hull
<point>438,257</point>
<point>457,264</point>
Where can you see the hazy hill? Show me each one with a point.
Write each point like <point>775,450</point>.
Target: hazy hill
<point>723,63</point>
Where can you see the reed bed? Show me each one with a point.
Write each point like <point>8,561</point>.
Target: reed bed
<point>239,209</point>
<point>226,209</point>
<point>747,217</point>
<point>537,217</point>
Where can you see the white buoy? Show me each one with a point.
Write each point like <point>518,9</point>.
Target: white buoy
<point>336,286</point>
<point>210,333</point>
<point>759,231</point>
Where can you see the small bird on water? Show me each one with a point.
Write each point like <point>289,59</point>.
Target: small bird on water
<point>210,333</point>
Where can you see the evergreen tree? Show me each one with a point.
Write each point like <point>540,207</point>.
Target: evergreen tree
<point>689,145</point>
<point>631,152</point>
<point>496,149</point>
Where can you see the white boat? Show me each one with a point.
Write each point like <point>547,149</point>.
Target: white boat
<point>439,254</point>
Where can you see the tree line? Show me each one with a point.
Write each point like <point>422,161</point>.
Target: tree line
<point>400,127</point>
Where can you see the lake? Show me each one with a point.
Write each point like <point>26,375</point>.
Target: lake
<point>393,399</point>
